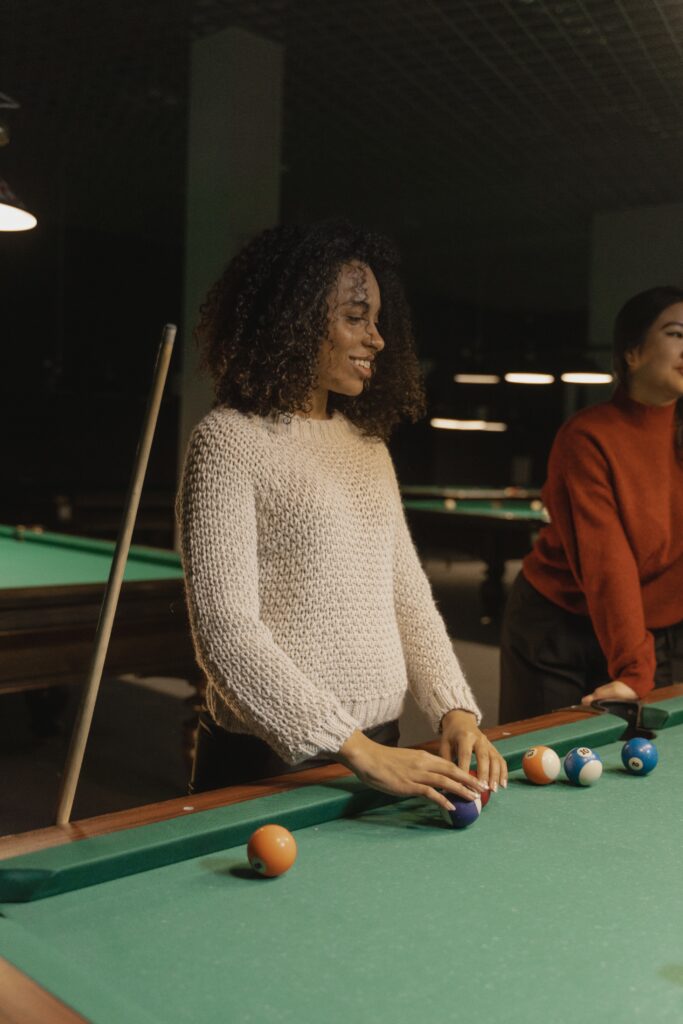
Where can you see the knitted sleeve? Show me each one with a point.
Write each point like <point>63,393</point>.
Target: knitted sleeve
<point>254,677</point>
<point>583,508</point>
<point>434,675</point>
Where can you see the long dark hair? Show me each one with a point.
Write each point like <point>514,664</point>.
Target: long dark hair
<point>632,323</point>
<point>263,322</point>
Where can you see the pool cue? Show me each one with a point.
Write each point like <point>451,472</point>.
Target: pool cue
<point>81,729</point>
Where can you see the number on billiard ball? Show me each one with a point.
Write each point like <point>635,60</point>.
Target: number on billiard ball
<point>582,766</point>
<point>271,850</point>
<point>639,756</point>
<point>541,765</point>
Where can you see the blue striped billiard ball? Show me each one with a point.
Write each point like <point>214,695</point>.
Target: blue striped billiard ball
<point>464,813</point>
<point>582,766</point>
<point>639,756</point>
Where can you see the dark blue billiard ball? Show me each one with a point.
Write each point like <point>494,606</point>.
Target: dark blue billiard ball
<point>464,813</point>
<point>639,756</point>
<point>582,766</point>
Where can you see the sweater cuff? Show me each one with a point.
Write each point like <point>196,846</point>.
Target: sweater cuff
<point>639,672</point>
<point>441,701</point>
<point>327,737</point>
<point>640,684</point>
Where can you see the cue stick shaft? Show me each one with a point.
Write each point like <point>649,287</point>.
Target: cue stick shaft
<point>81,729</point>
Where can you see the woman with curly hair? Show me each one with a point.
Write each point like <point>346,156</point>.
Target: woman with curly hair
<point>597,611</point>
<point>310,612</point>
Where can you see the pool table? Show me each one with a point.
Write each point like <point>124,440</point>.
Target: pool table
<point>560,904</point>
<point>51,589</point>
<point>493,526</point>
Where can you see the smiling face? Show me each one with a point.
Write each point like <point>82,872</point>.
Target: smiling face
<point>346,361</point>
<point>655,367</point>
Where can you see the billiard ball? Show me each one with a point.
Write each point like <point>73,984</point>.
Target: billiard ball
<point>541,765</point>
<point>582,766</point>
<point>464,813</point>
<point>639,756</point>
<point>271,850</point>
<point>486,795</point>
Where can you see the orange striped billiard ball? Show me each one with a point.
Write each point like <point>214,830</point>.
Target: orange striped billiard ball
<point>271,850</point>
<point>541,765</point>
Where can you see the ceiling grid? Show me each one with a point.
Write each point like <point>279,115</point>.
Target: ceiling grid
<point>478,116</point>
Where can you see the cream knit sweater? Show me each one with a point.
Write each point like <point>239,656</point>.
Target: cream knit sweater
<point>310,612</point>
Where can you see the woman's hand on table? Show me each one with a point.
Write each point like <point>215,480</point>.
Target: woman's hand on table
<point>403,771</point>
<point>616,690</point>
<point>461,737</point>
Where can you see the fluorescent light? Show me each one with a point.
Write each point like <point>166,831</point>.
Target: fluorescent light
<point>529,378</point>
<point>13,216</point>
<point>447,424</point>
<point>476,378</point>
<point>13,219</point>
<point>586,377</point>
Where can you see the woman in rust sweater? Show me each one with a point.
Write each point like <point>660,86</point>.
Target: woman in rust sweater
<point>597,611</point>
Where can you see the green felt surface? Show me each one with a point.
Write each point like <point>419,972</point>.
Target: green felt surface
<point>505,509</point>
<point>471,491</point>
<point>75,865</point>
<point>560,904</point>
<point>662,715</point>
<point>54,559</point>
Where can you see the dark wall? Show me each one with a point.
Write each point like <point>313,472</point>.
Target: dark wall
<point>83,313</point>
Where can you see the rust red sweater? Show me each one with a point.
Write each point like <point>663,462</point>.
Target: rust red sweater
<point>614,548</point>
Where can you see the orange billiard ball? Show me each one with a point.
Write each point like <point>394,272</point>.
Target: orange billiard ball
<point>541,765</point>
<point>271,850</point>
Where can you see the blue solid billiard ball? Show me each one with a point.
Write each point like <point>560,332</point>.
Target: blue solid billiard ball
<point>639,756</point>
<point>582,766</point>
<point>464,813</point>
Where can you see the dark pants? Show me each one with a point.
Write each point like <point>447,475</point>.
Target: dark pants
<point>224,758</point>
<point>550,658</point>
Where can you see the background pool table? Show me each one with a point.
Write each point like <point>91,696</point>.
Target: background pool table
<point>560,904</point>
<point>51,589</point>
<point>52,584</point>
<point>491,525</point>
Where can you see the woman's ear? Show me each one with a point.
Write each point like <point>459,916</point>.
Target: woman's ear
<point>631,357</point>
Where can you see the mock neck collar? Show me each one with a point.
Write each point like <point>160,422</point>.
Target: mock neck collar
<point>302,428</point>
<point>646,415</point>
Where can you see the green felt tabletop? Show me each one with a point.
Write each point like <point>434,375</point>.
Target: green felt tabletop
<point>31,559</point>
<point>560,904</point>
<point>470,491</point>
<point>503,509</point>
<point>662,714</point>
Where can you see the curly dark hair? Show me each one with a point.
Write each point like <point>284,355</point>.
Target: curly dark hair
<point>264,320</point>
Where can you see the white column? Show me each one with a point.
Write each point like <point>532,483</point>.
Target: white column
<point>233,176</point>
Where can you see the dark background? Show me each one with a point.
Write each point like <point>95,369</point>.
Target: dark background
<point>482,134</point>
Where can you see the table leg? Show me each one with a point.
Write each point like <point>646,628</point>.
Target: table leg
<point>45,706</point>
<point>492,591</point>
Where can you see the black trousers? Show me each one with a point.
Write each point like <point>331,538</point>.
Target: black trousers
<point>550,658</point>
<point>224,758</point>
